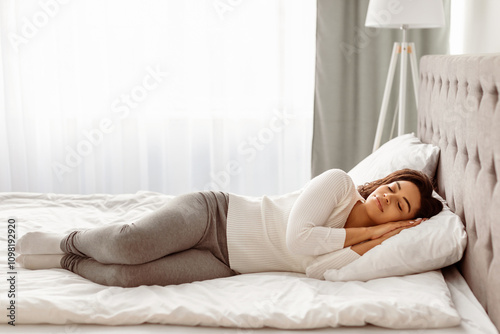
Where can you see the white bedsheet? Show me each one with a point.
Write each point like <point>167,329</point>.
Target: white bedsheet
<point>278,300</point>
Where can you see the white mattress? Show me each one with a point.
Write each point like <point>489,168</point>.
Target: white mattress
<point>71,304</point>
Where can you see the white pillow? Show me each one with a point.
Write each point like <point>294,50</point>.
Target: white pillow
<point>435,243</point>
<point>406,151</point>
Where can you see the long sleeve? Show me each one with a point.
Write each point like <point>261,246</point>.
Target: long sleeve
<point>333,260</point>
<point>306,232</point>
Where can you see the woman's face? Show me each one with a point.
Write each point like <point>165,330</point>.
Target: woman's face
<point>396,201</point>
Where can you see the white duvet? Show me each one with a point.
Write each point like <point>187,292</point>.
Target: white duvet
<point>279,300</point>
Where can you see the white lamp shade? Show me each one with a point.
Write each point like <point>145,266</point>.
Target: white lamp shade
<point>411,13</point>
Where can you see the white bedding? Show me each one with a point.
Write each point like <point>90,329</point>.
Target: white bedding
<point>278,300</point>
<point>474,321</point>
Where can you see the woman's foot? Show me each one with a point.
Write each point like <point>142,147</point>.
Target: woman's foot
<point>39,261</point>
<point>40,243</point>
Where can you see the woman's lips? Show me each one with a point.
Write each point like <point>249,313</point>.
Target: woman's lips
<point>379,204</point>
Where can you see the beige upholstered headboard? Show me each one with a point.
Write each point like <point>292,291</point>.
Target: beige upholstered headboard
<point>459,111</point>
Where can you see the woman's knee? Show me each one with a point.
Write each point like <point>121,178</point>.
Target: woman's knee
<point>123,247</point>
<point>124,277</point>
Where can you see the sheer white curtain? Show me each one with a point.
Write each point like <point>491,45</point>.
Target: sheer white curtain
<point>117,96</point>
<point>473,18</point>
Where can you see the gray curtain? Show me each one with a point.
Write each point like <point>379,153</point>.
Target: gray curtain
<point>352,62</point>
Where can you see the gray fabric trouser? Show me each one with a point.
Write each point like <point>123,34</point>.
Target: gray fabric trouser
<point>182,242</point>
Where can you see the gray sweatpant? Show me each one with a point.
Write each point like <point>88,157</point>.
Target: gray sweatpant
<point>182,242</point>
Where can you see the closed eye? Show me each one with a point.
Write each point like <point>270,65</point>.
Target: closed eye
<point>399,204</point>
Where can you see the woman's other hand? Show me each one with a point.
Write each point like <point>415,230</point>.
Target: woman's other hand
<point>384,229</point>
<point>384,232</point>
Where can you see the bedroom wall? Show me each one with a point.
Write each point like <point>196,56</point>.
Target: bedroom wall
<point>475,26</point>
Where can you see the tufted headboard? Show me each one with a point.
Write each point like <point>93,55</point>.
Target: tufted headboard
<point>459,111</point>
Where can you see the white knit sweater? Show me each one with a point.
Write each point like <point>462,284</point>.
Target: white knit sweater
<point>301,231</point>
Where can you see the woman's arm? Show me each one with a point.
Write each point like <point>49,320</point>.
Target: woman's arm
<point>306,233</point>
<point>342,257</point>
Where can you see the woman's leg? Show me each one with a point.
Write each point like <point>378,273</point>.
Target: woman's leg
<point>183,267</point>
<point>177,226</point>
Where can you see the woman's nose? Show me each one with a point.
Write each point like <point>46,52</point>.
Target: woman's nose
<point>387,198</point>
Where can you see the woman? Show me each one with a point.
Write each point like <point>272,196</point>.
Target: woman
<point>327,224</point>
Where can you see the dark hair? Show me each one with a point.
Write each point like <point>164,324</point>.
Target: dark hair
<point>429,206</point>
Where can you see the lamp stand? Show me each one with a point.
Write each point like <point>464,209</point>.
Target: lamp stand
<point>403,50</point>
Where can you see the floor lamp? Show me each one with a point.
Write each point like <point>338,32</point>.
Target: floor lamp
<point>404,15</point>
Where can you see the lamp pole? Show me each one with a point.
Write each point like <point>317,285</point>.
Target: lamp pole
<point>401,50</point>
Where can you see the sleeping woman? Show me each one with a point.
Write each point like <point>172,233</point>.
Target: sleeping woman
<point>199,236</point>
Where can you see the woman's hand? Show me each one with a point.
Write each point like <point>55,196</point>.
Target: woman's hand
<point>393,227</point>
<point>381,230</point>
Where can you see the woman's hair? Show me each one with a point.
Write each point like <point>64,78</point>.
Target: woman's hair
<point>429,206</point>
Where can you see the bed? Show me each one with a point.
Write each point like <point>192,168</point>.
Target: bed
<point>459,117</point>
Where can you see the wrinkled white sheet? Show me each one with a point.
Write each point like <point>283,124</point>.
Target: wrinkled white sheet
<point>279,300</point>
